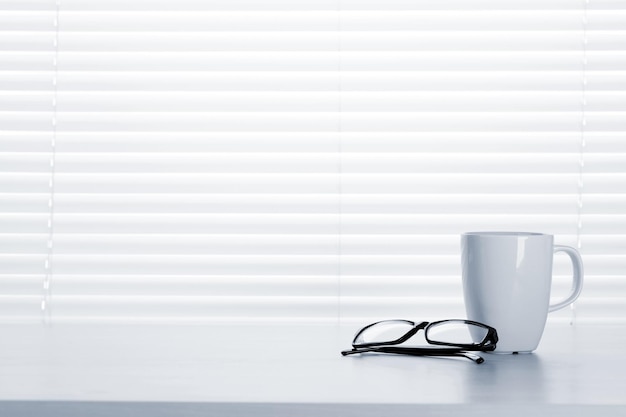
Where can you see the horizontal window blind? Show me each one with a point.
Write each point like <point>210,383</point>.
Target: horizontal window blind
<point>300,160</point>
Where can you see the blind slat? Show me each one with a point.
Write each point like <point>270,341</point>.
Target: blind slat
<point>278,81</point>
<point>304,142</point>
<point>314,122</point>
<point>319,20</point>
<point>312,183</point>
<point>304,101</point>
<point>315,61</point>
<point>547,40</point>
<point>246,5</point>
<point>319,162</point>
<point>313,203</point>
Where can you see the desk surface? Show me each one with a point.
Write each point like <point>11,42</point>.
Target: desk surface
<point>256,368</point>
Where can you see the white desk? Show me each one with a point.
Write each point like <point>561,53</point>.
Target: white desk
<point>74,370</point>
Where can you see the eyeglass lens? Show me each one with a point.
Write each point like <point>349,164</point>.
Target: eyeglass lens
<point>456,332</point>
<point>384,331</point>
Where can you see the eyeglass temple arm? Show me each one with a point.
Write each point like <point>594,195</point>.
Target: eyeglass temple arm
<point>415,352</point>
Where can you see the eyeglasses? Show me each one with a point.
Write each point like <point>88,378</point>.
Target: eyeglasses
<point>460,338</point>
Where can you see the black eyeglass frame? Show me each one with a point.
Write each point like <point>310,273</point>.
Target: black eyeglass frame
<point>452,349</point>
<point>487,344</point>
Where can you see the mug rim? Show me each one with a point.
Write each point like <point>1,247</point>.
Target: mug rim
<point>504,234</point>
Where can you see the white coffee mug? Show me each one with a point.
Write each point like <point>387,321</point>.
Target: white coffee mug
<point>507,278</point>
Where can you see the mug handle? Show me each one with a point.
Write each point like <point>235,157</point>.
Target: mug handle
<point>577,284</point>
